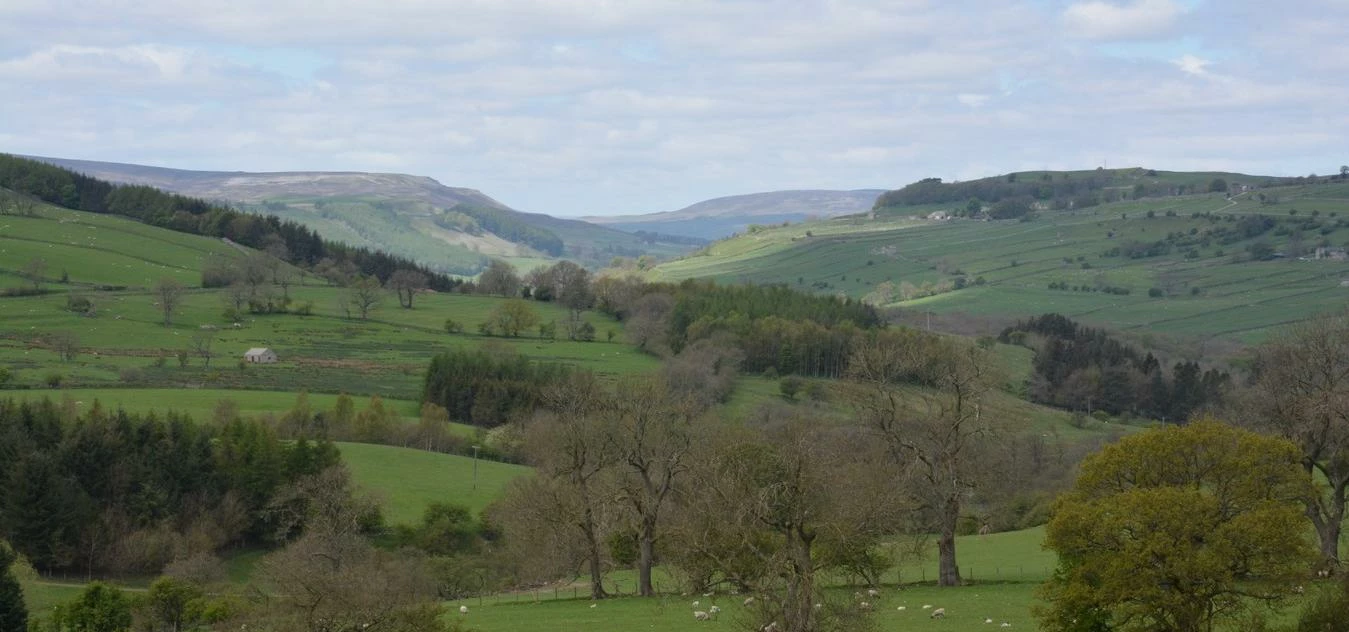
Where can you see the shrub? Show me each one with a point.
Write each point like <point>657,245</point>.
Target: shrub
<point>453,326</point>
<point>54,380</point>
<point>789,386</point>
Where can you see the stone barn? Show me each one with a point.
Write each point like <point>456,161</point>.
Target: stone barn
<point>260,355</point>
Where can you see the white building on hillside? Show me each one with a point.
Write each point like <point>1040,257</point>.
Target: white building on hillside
<point>260,355</point>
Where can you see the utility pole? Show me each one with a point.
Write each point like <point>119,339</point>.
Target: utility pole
<point>475,468</point>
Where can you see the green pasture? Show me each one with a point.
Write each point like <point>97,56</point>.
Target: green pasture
<point>201,403</point>
<point>965,607</point>
<point>1215,291</point>
<point>408,480</point>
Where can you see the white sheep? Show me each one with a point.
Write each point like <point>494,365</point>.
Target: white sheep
<point>1005,625</point>
<point>938,613</point>
<point>901,608</point>
<point>927,606</point>
<point>713,610</point>
<point>700,615</point>
<point>695,603</point>
<point>463,609</point>
<point>872,592</point>
<point>865,606</point>
<point>988,621</point>
<point>771,627</point>
<point>748,601</point>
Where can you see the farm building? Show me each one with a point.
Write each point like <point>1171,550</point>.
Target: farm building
<point>260,355</point>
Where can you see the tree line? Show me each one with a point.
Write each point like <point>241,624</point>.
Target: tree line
<point>304,247</point>
<point>115,492</point>
<point>1084,369</point>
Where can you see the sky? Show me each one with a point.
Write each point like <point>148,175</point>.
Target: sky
<point>600,107</point>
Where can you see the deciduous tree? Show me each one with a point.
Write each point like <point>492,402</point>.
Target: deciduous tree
<point>513,316</point>
<point>1176,529</point>
<point>922,395</point>
<point>407,283</point>
<point>168,294</point>
<point>499,279</point>
<point>1301,393</point>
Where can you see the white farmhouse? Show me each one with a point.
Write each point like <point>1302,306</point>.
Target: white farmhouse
<point>260,355</point>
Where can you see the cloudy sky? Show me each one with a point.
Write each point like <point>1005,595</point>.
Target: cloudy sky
<point>577,107</point>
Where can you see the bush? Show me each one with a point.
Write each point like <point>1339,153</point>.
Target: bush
<point>1156,292</point>
<point>54,380</point>
<point>1325,613</point>
<point>453,326</point>
<point>789,386</point>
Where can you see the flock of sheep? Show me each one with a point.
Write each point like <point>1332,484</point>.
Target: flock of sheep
<point>712,611</point>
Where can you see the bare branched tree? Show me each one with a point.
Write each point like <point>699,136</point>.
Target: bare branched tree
<point>1301,393</point>
<point>922,395</point>
<point>168,294</point>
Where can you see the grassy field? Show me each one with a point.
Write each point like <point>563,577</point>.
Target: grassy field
<point>1206,290</point>
<point>409,480</point>
<point>113,261</point>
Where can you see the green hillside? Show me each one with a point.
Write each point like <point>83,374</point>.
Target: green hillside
<point>1190,265</point>
<point>113,261</point>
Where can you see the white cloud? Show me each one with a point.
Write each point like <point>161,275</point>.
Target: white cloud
<point>606,106</point>
<point>1189,64</point>
<point>1139,19</point>
<point>972,100</point>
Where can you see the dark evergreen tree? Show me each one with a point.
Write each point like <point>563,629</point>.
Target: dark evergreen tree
<point>13,612</point>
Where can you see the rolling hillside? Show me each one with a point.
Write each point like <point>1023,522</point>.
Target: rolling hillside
<point>448,228</point>
<point>113,262</point>
<point>1199,265</point>
<point>724,216</point>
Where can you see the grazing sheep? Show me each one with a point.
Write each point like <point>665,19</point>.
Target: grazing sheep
<point>771,627</point>
<point>927,606</point>
<point>873,593</point>
<point>700,615</point>
<point>695,603</point>
<point>463,609</point>
<point>1005,625</point>
<point>748,601</point>
<point>865,606</point>
<point>988,621</point>
<point>901,608</point>
<point>713,610</point>
<point>938,613</point>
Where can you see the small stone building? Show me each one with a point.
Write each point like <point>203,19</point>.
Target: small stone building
<point>260,355</point>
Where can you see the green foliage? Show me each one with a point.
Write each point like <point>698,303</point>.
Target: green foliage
<point>99,477</point>
<point>1175,528</point>
<point>172,604</point>
<point>789,386</point>
<point>13,610</point>
<point>1325,612</point>
<point>445,529</point>
<point>100,608</point>
<point>486,389</point>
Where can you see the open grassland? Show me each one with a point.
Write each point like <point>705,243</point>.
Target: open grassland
<point>1206,289</point>
<point>409,480</point>
<point>200,404</point>
<point>113,261</point>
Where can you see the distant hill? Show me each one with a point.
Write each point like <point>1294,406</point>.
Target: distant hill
<point>452,229</point>
<point>1149,251</point>
<point>724,216</point>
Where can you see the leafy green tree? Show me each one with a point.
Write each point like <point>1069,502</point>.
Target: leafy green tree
<point>100,608</point>
<point>13,613</point>
<point>1218,185</point>
<point>499,279</point>
<point>513,317</point>
<point>172,605</point>
<point>1176,529</point>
